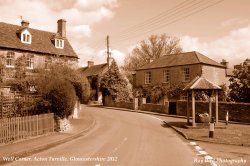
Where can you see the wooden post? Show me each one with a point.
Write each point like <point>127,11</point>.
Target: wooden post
<point>188,113</point>
<point>193,108</point>
<point>210,107</point>
<point>216,107</point>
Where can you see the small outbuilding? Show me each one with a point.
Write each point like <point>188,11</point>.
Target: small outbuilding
<point>199,84</point>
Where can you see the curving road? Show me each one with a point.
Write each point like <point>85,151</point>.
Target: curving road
<point>119,138</point>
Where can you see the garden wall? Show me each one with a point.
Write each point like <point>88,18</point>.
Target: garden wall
<point>154,108</point>
<point>110,103</point>
<point>239,112</point>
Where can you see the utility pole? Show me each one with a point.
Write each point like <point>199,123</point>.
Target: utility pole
<point>108,53</point>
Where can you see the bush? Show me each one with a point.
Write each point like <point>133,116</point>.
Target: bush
<point>60,95</point>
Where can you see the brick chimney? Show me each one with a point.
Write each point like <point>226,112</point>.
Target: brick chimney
<point>61,27</point>
<point>224,63</point>
<point>90,63</point>
<point>25,23</point>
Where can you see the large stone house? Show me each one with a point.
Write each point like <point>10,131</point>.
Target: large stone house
<point>181,68</point>
<point>39,48</point>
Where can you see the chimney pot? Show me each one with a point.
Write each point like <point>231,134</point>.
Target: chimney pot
<point>61,27</point>
<point>25,23</point>
<point>90,63</point>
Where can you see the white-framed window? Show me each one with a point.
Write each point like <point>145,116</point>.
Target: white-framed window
<point>59,43</point>
<point>30,61</point>
<point>10,59</point>
<point>166,76</point>
<point>186,74</point>
<point>47,62</point>
<point>148,77</point>
<point>26,37</point>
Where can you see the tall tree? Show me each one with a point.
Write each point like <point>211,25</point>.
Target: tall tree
<point>240,84</point>
<point>150,49</point>
<point>114,84</point>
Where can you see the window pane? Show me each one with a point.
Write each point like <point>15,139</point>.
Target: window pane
<point>147,77</point>
<point>24,37</point>
<point>166,76</point>
<point>28,38</point>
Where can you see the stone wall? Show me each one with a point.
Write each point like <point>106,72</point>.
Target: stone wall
<point>239,112</point>
<point>154,108</point>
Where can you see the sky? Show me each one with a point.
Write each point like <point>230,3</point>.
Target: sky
<point>219,29</point>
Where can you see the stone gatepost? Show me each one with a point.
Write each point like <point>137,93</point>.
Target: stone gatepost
<point>135,103</point>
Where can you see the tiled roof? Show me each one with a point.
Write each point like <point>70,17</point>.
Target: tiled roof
<point>94,70</point>
<point>186,58</point>
<point>41,41</point>
<point>201,83</point>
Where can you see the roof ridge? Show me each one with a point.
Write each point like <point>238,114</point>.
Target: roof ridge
<point>195,52</point>
<point>19,26</point>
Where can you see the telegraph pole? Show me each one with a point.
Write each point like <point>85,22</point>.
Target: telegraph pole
<point>108,53</point>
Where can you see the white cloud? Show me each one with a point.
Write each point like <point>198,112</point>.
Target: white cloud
<point>234,21</point>
<point>234,47</point>
<point>80,31</point>
<point>118,56</point>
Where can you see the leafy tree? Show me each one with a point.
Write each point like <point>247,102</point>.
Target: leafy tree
<point>152,48</point>
<point>112,83</point>
<point>240,84</point>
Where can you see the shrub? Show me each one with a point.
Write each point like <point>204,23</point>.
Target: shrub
<point>60,95</point>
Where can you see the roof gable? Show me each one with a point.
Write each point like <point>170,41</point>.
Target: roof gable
<point>201,83</point>
<point>41,41</point>
<point>187,58</point>
<point>94,70</point>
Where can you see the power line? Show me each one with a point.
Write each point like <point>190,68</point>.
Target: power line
<point>170,17</point>
<point>163,25</point>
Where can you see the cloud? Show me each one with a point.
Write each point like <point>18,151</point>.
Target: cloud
<point>234,47</point>
<point>80,31</point>
<point>234,21</point>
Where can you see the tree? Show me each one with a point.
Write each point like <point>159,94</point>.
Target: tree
<point>152,48</point>
<point>240,84</point>
<point>114,84</point>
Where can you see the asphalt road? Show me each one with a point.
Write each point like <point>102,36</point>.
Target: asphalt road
<point>119,138</point>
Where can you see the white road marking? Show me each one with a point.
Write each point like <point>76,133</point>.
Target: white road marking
<point>202,152</point>
<point>193,143</point>
<point>123,141</point>
<point>156,118</point>
<point>198,148</point>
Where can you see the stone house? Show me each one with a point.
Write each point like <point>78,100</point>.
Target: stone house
<point>181,68</point>
<point>39,48</point>
<point>93,73</point>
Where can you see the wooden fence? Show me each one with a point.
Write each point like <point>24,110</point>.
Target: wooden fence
<point>16,128</point>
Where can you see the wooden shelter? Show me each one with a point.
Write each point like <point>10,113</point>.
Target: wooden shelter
<point>202,84</point>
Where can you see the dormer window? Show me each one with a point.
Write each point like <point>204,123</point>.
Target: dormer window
<point>26,37</point>
<point>59,43</point>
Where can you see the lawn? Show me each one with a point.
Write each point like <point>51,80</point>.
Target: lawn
<point>233,133</point>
